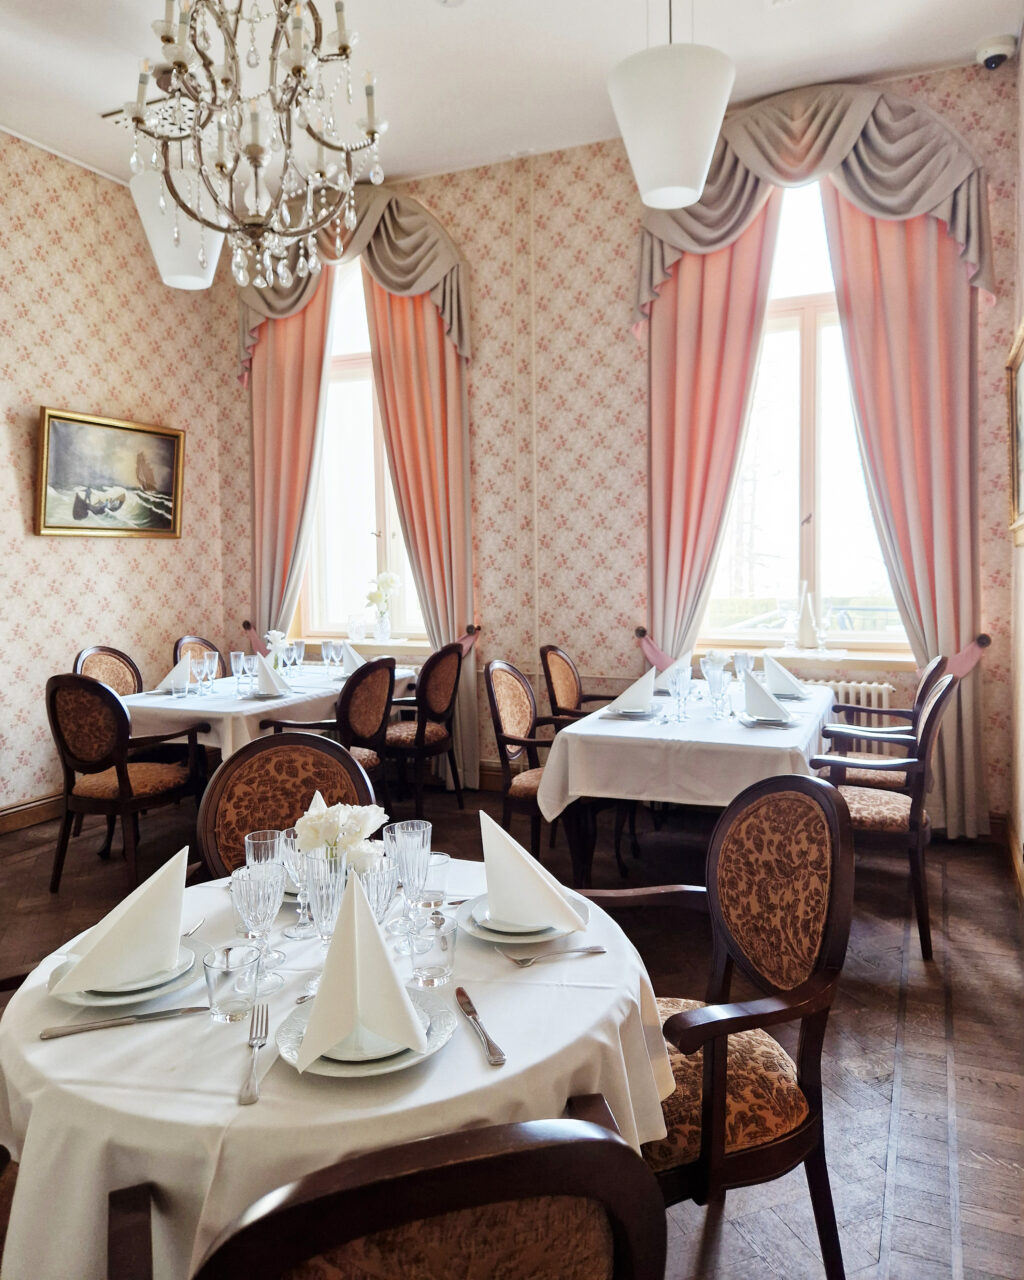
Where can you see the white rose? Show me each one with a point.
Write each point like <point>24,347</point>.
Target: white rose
<point>359,822</point>
<point>274,638</point>
<point>308,831</point>
<point>365,855</point>
<point>377,598</point>
<point>388,582</point>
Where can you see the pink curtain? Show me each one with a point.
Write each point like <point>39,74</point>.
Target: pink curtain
<point>705,334</point>
<point>288,364</point>
<point>908,316</point>
<point>422,394</point>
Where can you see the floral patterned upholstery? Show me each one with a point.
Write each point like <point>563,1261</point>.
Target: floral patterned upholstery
<point>369,703</point>
<point>526,783</point>
<point>88,724</point>
<point>271,790</point>
<point>763,1100</point>
<point>875,810</point>
<point>895,781</point>
<point>111,671</point>
<point>438,689</point>
<point>773,878</point>
<point>403,733</point>
<point>543,1238</point>
<point>193,648</point>
<point>564,681</point>
<point>364,756</point>
<point>144,779</point>
<point>515,710</point>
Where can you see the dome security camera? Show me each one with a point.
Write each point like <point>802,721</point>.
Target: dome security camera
<point>993,53</point>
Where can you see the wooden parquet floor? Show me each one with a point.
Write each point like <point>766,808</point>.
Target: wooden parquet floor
<point>923,1064</point>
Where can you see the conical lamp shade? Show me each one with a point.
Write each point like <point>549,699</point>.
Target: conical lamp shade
<point>178,264</point>
<point>670,103</point>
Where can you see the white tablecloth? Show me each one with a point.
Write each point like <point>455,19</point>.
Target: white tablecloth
<point>108,1109</point>
<point>235,720</point>
<point>696,761</point>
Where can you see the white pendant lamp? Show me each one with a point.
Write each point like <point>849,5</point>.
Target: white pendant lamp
<point>186,253</point>
<point>669,103</point>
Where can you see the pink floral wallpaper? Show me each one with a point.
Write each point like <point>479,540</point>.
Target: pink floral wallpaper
<point>87,325</point>
<point>558,400</point>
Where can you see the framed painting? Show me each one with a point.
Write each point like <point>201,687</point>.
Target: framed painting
<point>102,477</point>
<point>1015,403</point>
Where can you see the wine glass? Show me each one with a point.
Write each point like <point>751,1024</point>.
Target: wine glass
<point>287,661</point>
<point>198,665</point>
<point>295,864</point>
<point>679,689</point>
<point>263,847</point>
<point>325,885</point>
<point>237,668</point>
<point>210,664</point>
<point>258,891</point>
<point>300,653</point>
<point>409,844</point>
<point>380,882</point>
<point>718,684</point>
<point>249,667</point>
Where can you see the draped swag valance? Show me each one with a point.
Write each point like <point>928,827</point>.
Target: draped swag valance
<point>405,249</point>
<point>891,158</point>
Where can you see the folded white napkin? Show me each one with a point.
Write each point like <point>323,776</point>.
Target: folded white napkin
<point>182,668</point>
<point>759,702</point>
<point>519,890</point>
<point>637,697</point>
<point>807,633</point>
<point>351,661</point>
<point>780,681</point>
<point>138,938</point>
<point>683,663</point>
<point>361,997</point>
<point>269,680</point>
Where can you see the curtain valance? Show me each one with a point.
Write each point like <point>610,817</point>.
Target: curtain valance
<point>889,157</point>
<point>403,246</point>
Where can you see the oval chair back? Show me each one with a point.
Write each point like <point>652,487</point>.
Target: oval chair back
<point>565,688</point>
<point>195,647</point>
<point>364,707</point>
<point>89,724</point>
<point>438,684</point>
<point>927,732</point>
<point>114,668</point>
<point>513,710</point>
<point>268,785</point>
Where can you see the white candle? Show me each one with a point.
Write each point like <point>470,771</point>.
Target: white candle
<point>222,148</point>
<point>371,119</point>
<point>169,13</point>
<point>297,27</point>
<point>140,97</point>
<point>339,13</point>
<point>186,10</point>
<point>321,160</point>
<point>254,126</point>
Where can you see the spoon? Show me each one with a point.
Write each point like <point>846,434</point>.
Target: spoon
<point>195,928</point>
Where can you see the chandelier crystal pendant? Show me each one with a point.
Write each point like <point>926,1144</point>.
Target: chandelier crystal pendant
<point>248,138</point>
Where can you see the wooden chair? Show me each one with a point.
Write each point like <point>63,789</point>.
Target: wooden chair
<point>430,734</point>
<point>545,1199</point>
<point>361,719</point>
<point>780,896</point>
<point>267,785</point>
<point>515,720</point>
<point>896,818</point>
<point>195,647</point>
<point>565,688</point>
<point>110,666</point>
<point>91,728</point>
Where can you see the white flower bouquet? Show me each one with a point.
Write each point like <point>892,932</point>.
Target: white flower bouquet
<point>276,642</point>
<point>384,587</point>
<point>343,829</point>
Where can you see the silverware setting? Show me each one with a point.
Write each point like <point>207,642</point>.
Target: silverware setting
<point>128,1020</point>
<point>524,962</point>
<point>495,1056</point>
<point>195,928</point>
<point>259,1028</point>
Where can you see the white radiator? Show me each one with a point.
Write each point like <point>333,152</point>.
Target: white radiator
<point>873,694</point>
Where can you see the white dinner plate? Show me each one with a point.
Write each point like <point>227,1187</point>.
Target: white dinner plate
<point>266,697</point>
<point>466,921</point>
<point>158,693</point>
<point>481,914</point>
<point>440,1030</point>
<point>91,1000</point>
<point>186,959</point>
<point>619,714</point>
<point>759,722</point>
<point>374,1048</point>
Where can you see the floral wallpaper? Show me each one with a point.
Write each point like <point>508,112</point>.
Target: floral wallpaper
<point>558,401</point>
<point>87,325</point>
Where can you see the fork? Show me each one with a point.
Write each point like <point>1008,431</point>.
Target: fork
<point>258,1028</point>
<point>524,962</point>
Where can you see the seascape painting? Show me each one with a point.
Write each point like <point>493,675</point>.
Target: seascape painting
<point>102,476</point>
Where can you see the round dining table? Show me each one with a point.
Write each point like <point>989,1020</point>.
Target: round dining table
<point>158,1102</point>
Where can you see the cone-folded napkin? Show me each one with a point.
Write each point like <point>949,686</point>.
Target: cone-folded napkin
<point>519,890</point>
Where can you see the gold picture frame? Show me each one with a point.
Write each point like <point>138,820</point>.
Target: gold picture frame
<point>1015,415</point>
<point>106,478</point>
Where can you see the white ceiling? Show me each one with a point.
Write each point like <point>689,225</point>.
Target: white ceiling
<point>485,79</point>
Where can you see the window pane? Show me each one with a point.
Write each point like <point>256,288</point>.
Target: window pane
<point>405,606</point>
<point>350,335</point>
<point>755,582</point>
<point>802,263</point>
<point>854,582</point>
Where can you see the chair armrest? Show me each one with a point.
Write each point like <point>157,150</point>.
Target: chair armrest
<point>691,1030</point>
<point>592,1108</point>
<point>596,697</point>
<point>129,1233</point>
<point>154,739</point>
<point>555,720</point>
<point>525,742</point>
<point>851,709</point>
<point>853,733</point>
<point>691,897</point>
<point>883,764</point>
<point>308,725</point>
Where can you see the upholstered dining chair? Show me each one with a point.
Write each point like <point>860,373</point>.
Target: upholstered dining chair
<point>361,719</point>
<point>897,818</point>
<point>779,896</point>
<point>565,688</point>
<point>195,647</point>
<point>514,716</point>
<point>544,1199</point>
<point>430,734</point>
<point>92,731</point>
<point>266,786</point>
<point>111,666</point>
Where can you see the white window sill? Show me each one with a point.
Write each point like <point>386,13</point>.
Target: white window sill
<point>863,659</point>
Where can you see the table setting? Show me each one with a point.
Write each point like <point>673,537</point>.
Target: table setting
<point>220,1089</point>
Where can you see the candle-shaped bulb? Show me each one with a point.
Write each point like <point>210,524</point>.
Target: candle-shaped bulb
<point>169,13</point>
<point>254,124</point>
<point>222,139</point>
<point>183,17</point>
<point>297,27</point>
<point>371,117</point>
<point>140,97</point>
<point>339,13</point>
<point>321,160</point>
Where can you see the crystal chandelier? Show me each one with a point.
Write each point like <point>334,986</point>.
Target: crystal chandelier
<point>248,137</point>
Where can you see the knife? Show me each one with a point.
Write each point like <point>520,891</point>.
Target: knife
<point>52,1033</point>
<point>494,1055</point>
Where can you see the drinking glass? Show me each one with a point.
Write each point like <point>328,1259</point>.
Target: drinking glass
<point>435,883</point>
<point>259,892</point>
<point>263,847</point>
<point>210,664</point>
<point>718,684</point>
<point>432,949</point>
<point>380,883</point>
<point>287,661</point>
<point>357,628</point>
<point>237,668</point>
<point>249,667</point>
<point>231,981</point>
<point>409,844</point>
<point>179,684</point>
<point>679,689</point>
<point>325,884</point>
<point>295,864</point>
<point>198,666</point>
<point>300,653</point>
<point>742,663</point>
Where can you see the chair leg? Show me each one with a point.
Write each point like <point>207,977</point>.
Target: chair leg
<point>634,843</point>
<point>455,778</point>
<point>108,843</point>
<point>381,787</point>
<point>824,1212</point>
<point>402,779</point>
<point>620,822</point>
<point>62,850</point>
<point>419,780</point>
<point>76,830</point>
<point>535,835</point>
<point>919,885</point>
<point>129,832</point>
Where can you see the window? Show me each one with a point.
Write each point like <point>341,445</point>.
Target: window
<point>356,532</point>
<point>799,510</point>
